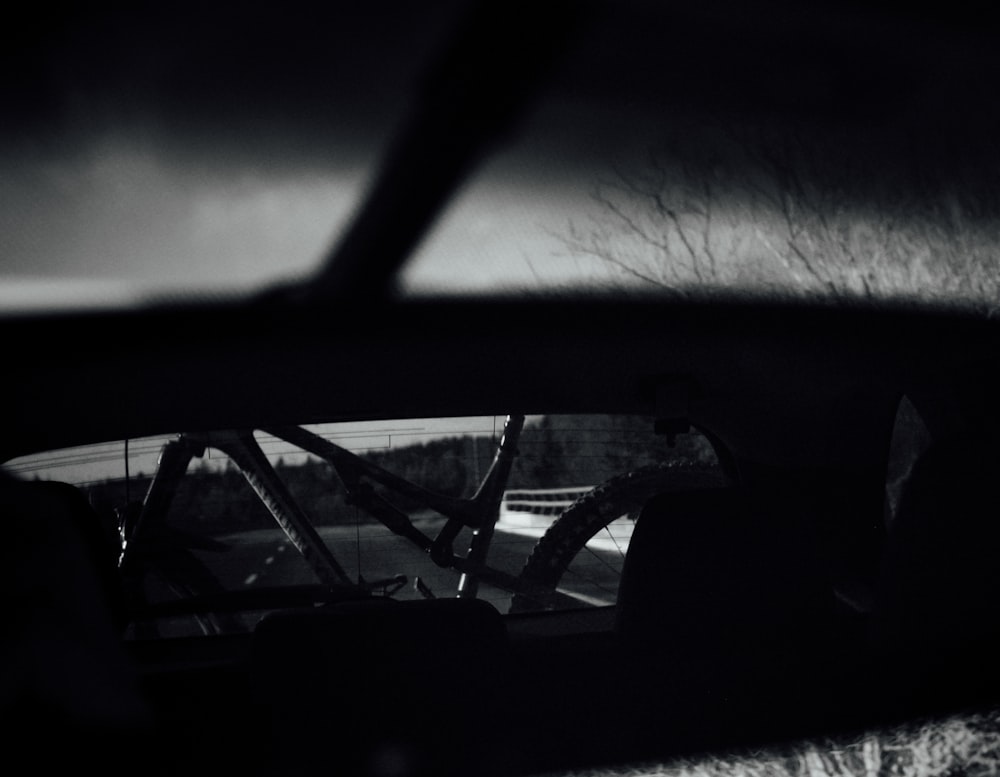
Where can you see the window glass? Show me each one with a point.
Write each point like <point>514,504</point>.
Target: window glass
<point>214,546</point>
<point>153,159</point>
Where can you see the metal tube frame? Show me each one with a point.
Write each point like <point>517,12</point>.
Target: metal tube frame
<point>479,512</point>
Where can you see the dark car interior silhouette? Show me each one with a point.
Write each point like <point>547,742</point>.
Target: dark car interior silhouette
<point>787,303</point>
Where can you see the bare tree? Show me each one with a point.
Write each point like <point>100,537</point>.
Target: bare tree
<point>775,214</point>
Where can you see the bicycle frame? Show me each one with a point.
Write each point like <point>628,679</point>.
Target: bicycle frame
<point>478,512</point>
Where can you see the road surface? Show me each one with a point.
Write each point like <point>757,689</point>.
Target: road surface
<point>266,559</point>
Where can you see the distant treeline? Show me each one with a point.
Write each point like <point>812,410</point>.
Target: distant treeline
<point>554,452</point>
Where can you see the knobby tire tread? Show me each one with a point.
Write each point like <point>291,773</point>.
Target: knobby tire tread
<point>621,495</point>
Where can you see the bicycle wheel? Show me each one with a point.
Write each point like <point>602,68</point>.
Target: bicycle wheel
<point>580,556</point>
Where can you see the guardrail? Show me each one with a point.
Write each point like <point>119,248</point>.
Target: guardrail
<point>519,505</point>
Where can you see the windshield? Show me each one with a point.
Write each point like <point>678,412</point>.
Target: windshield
<point>844,158</point>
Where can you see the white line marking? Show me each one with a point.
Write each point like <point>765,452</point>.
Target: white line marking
<point>591,600</point>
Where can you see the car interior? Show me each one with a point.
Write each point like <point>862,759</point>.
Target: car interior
<point>818,565</point>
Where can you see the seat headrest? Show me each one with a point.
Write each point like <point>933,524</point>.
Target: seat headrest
<point>706,569</point>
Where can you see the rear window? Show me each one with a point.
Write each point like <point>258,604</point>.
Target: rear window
<point>217,529</point>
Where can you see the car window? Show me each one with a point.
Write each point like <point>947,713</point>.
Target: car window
<point>217,554</point>
<point>859,176</point>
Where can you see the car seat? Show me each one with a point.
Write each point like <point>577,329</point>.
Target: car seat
<point>727,617</point>
<point>63,668</point>
<point>383,687</point>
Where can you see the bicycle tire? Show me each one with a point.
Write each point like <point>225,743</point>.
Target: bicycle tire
<point>577,525</point>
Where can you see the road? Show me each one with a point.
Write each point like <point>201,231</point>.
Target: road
<point>266,558</point>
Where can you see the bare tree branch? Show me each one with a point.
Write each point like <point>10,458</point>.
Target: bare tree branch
<point>630,223</point>
<point>797,216</point>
